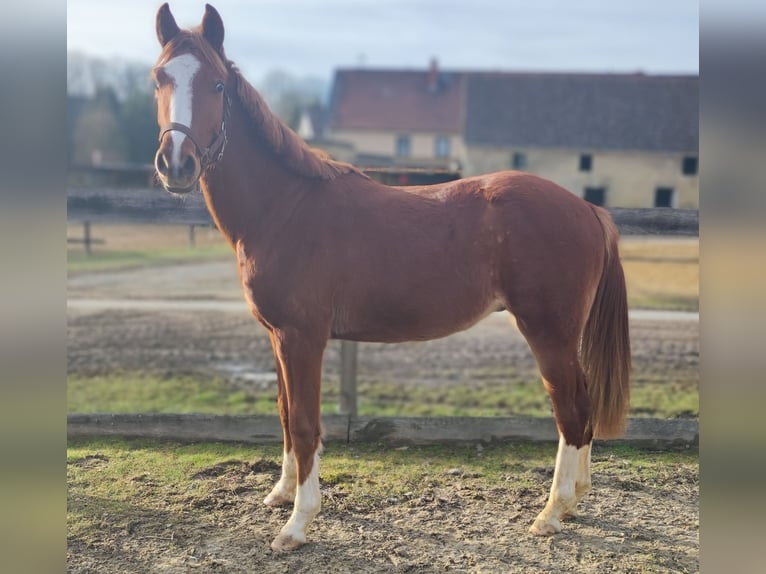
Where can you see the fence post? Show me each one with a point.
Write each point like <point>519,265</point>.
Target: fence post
<point>191,235</point>
<point>86,236</point>
<point>348,360</point>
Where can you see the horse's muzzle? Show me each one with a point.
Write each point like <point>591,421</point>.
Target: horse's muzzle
<point>177,177</point>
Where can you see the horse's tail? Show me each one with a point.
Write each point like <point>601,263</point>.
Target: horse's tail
<point>605,346</point>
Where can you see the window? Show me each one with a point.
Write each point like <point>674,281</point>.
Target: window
<point>689,165</point>
<point>519,160</point>
<point>403,146</point>
<point>663,197</point>
<point>441,146</point>
<point>586,162</point>
<point>595,195</point>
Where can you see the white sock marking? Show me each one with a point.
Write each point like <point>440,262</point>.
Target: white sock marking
<point>307,504</point>
<point>565,474</point>
<point>285,488</point>
<point>562,497</point>
<point>582,486</point>
<point>181,70</point>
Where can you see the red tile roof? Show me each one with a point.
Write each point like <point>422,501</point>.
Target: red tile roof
<point>396,100</point>
<point>518,109</point>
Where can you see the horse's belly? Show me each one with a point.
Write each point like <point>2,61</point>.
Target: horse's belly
<point>410,322</point>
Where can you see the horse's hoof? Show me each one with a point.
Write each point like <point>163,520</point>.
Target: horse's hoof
<point>571,513</point>
<point>286,543</point>
<point>277,500</point>
<point>543,527</point>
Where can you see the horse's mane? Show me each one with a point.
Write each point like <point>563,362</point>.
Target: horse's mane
<point>297,156</point>
<point>288,146</point>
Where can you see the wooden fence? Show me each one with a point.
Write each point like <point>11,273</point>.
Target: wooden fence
<point>644,432</point>
<point>87,240</point>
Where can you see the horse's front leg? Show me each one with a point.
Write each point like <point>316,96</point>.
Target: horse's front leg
<point>300,357</point>
<point>284,491</point>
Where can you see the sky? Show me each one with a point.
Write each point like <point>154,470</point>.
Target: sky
<point>314,37</point>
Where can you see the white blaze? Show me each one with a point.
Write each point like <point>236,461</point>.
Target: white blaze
<point>181,70</point>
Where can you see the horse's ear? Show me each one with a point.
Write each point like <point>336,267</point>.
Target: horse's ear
<point>212,27</point>
<point>166,25</point>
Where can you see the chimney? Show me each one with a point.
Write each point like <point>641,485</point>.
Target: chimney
<point>433,76</point>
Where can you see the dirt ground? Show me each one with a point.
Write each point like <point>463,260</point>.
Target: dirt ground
<point>628,524</point>
<point>452,523</point>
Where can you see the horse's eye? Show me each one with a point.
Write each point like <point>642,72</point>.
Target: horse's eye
<point>219,87</point>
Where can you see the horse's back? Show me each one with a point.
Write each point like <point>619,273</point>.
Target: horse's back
<point>522,217</point>
<point>542,247</point>
<point>422,262</point>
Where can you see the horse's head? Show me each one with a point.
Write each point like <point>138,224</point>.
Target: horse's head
<point>191,80</point>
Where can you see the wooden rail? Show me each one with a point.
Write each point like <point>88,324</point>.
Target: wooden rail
<point>644,432</point>
<point>87,239</point>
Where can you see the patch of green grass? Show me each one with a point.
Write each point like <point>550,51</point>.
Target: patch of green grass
<point>478,399</point>
<point>112,260</point>
<point>127,480</point>
<point>663,302</point>
<point>665,399</point>
<point>370,473</point>
<point>146,394</point>
<point>142,394</point>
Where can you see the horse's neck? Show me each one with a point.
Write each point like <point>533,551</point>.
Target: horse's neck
<point>249,191</point>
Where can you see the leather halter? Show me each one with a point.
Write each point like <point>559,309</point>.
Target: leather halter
<point>211,154</point>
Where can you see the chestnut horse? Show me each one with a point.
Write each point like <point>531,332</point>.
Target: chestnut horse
<point>325,253</point>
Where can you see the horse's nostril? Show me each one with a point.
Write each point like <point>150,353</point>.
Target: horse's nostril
<point>162,164</point>
<point>188,166</point>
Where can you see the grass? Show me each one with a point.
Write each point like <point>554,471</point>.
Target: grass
<point>139,394</point>
<point>109,260</point>
<point>131,246</point>
<point>117,477</point>
<point>132,394</point>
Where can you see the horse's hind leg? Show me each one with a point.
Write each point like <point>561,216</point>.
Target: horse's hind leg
<point>582,483</point>
<point>565,382</point>
<point>571,476</point>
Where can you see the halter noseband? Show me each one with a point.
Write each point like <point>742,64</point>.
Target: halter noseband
<point>211,154</point>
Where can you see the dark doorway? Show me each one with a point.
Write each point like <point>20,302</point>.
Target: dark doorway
<point>663,197</point>
<point>595,195</point>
